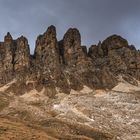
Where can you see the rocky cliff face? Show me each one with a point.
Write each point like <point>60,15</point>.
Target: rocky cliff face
<point>116,54</point>
<point>66,64</point>
<point>46,51</point>
<point>14,57</point>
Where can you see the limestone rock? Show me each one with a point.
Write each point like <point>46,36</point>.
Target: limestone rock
<point>72,47</point>
<point>47,70</point>
<point>66,64</point>
<point>7,59</point>
<point>46,51</point>
<point>21,54</point>
<point>61,52</point>
<point>84,48</point>
<point>14,57</point>
<point>8,39</point>
<point>113,42</point>
<point>115,53</point>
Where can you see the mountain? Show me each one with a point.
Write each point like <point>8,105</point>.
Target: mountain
<point>65,91</point>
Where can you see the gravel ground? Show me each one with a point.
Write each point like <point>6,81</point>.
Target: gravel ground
<point>115,111</point>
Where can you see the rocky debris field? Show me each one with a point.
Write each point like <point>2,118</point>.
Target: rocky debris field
<point>11,129</point>
<point>85,114</point>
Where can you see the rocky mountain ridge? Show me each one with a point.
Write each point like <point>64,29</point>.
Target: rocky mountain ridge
<point>66,92</point>
<point>66,64</point>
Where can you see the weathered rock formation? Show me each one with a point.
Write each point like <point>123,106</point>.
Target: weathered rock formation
<point>14,57</point>
<point>66,64</point>
<point>116,54</point>
<point>46,51</point>
<point>46,59</point>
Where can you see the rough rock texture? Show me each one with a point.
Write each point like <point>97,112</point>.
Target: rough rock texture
<point>78,67</point>
<point>74,58</point>
<point>116,54</point>
<point>21,54</point>
<point>46,51</point>
<point>67,64</point>
<point>14,57</point>
<point>68,91</point>
<point>47,60</point>
<point>73,52</point>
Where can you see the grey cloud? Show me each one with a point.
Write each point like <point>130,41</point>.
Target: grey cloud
<point>96,19</point>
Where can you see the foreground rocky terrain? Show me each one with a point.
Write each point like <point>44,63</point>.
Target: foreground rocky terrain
<point>64,91</point>
<point>86,114</point>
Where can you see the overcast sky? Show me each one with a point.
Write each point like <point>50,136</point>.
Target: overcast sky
<point>96,19</point>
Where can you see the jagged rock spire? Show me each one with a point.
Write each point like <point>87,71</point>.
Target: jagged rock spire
<point>47,52</point>
<point>21,54</point>
<point>15,55</point>
<point>8,38</point>
<point>72,46</point>
<point>66,63</point>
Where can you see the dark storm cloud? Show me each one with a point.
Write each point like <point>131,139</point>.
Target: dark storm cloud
<point>96,19</point>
